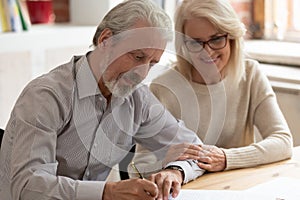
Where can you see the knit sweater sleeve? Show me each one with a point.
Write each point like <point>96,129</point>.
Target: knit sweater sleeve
<point>266,115</point>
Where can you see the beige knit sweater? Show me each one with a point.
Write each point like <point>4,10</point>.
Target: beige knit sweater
<point>225,116</point>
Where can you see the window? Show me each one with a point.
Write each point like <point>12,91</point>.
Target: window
<point>294,20</point>
<point>282,19</point>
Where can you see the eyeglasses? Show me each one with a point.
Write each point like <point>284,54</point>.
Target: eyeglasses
<point>216,43</point>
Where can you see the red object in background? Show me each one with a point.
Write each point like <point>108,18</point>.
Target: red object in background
<point>40,11</point>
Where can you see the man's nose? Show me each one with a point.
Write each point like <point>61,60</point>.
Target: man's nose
<point>143,70</point>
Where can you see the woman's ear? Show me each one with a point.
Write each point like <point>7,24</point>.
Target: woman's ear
<point>106,34</point>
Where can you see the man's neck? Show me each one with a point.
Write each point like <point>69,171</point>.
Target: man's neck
<point>104,90</point>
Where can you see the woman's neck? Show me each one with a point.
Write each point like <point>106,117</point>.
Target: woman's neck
<point>210,80</point>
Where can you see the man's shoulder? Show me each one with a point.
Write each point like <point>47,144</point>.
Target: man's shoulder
<point>58,80</point>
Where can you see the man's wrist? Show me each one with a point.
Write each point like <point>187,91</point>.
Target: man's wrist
<point>107,192</point>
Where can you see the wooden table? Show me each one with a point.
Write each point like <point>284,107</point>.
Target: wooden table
<point>241,179</point>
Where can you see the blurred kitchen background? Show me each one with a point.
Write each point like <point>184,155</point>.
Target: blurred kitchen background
<point>53,30</point>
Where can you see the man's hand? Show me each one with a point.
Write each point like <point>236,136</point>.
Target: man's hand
<point>131,189</point>
<point>166,180</point>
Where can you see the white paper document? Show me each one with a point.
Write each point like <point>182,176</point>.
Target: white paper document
<point>219,195</point>
<point>281,188</point>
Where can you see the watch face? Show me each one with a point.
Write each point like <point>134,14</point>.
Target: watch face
<point>176,168</point>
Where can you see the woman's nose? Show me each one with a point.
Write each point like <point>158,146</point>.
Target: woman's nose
<point>208,49</point>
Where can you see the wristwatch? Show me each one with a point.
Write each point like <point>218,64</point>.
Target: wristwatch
<point>174,167</point>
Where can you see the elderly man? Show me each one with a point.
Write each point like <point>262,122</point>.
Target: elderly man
<point>70,126</point>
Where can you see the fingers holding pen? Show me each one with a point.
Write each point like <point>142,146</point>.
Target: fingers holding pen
<point>139,189</point>
<point>150,190</point>
<point>168,183</point>
<point>158,180</point>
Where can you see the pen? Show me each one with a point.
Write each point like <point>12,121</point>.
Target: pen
<point>136,170</point>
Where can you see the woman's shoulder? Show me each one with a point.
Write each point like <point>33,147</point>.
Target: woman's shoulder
<point>255,75</point>
<point>251,64</point>
<point>252,68</point>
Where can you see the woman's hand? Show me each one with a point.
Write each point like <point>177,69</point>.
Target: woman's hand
<point>182,152</point>
<point>210,158</point>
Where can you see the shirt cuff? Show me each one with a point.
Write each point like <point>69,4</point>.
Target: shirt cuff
<point>190,169</point>
<point>90,190</point>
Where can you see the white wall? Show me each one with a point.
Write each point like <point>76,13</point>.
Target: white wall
<point>26,55</point>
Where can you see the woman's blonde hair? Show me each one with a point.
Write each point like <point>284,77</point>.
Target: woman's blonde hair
<point>221,14</point>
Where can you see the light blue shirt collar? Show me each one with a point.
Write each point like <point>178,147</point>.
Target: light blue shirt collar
<point>86,82</point>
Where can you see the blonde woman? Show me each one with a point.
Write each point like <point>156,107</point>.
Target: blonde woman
<point>219,94</point>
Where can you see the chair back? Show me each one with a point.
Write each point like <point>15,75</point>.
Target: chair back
<point>124,164</point>
<point>1,135</point>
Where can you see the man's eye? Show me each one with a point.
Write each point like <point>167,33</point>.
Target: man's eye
<point>195,43</point>
<point>138,57</point>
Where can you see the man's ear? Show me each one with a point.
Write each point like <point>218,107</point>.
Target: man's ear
<point>106,33</point>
